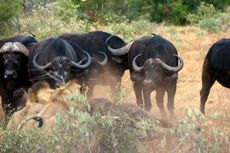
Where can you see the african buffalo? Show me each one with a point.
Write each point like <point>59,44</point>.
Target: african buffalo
<point>154,65</point>
<point>56,61</point>
<point>13,68</point>
<point>216,67</point>
<point>104,69</point>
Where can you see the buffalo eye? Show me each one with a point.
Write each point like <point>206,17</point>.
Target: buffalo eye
<point>17,61</point>
<point>6,57</point>
<point>67,68</point>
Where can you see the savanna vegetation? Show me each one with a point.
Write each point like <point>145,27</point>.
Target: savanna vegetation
<point>193,26</point>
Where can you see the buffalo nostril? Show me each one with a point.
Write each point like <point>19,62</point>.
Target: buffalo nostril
<point>58,84</point>
<point>10,74</point>
<point>15,75</point>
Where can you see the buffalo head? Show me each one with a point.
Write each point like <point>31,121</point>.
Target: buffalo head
<point>60,68</point>
<point>156,71</point>
<point>14,59</point>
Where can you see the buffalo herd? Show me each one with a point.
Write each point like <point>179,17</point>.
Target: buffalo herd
<point>98,57</point>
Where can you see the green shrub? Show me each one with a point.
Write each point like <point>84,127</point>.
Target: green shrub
<point>210,24</point>
<point>110,132</point>
<point>9,11</point>
<point>24,142</point>
<point>169,11</point>
<point>204,11</point>
<point>66,10</point>
<point>209,18</point>
<point>195,136</point>
<point>123,29</point>
<point>192,5</point>
<point>44,22</point>
<point>29,5</point>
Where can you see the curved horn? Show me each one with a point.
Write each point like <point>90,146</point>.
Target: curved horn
<point>105,61</point>
<point>171,68</point>
<point>14,47</point>
<point>36,118</point>
<point>134,64</point>
<point>82,66</point>
<point>21,48</point>
<point>120,51</point>
<point>39,66</point>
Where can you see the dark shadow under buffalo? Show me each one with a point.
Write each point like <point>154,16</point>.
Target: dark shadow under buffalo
<point>216,67</point>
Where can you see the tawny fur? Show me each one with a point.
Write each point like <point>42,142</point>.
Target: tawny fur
<point>42,101</point>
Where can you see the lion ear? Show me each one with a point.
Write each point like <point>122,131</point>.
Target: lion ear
<point>70,84</point>
<point>31,98</point>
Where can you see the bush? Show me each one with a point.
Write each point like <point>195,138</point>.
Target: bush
<point>110,132</point>
<point>204,11</point>
<point>44,23</point>
<point>9,10</point>
<point>77,131</point>
<point>192,5</point>
<point>196,135</point>
<point>24,142</point>
<point>169,11</point>
<point>29,5</point>
<point>209,18</point>
<point>123,29</point>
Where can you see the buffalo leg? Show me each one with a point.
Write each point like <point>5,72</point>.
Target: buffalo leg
<point>138,92</point>
<point>147,99</point>
<point>160,102</point>
<point>171,96</point>
<point>207,82</point>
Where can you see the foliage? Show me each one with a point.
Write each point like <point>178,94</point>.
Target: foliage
<point>204,11</point>
<point>9,11</point>
<point>29,5</point>
<point>44,23</point>
<point>194,130</point>
<point>209,18</point>
<point>192,5</point>
<point>170,11</point>
<point>114,131</point>
<point>23,142</point>
<point>123,29</point>
<point>175,12</point>
<point>108,12</point>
